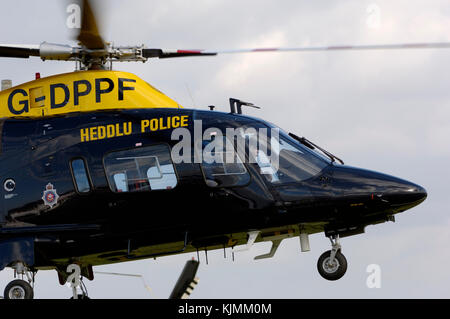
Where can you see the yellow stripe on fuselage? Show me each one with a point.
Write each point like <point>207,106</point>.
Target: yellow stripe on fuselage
<point>83,91</point>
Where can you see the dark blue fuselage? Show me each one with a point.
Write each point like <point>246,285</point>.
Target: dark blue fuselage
<point>106,223</point>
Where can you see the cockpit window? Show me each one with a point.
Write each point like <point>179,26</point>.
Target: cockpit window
<point>288,161</point>
<point>140,169</point>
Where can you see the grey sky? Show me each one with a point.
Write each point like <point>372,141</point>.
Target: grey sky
<point>387,111</point>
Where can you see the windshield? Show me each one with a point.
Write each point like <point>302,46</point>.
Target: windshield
<point>295,162</point>
<point>281,159</point>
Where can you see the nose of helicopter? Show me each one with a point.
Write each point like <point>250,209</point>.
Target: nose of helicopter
<point>416,192</point>
<point>406,196</point>
<point>398,193</point>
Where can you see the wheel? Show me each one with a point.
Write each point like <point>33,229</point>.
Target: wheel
<point>332,271</point>
<point>18,289</point>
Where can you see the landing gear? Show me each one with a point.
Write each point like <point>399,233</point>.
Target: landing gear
<point>19,288</point>
<point>332,264</point>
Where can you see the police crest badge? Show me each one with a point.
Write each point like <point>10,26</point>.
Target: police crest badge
<point>50,197</point>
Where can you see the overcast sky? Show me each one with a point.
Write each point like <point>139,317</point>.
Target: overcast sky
<point>387,111</point>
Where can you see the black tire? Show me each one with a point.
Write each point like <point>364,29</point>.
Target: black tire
<point>18,289</point>
<point>332,273</point>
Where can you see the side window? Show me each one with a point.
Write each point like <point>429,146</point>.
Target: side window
<point>140,169</point>
<point>80,175</point>
<point>222,166</point>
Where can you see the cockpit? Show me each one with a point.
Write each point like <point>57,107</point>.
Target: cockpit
<point>279,158</point>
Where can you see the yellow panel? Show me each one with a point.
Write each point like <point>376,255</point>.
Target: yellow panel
<point>37,97</point>
<point>83,91</point>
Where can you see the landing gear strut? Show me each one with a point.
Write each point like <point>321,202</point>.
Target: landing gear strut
<point>19,288</point>
<point>332,264</point>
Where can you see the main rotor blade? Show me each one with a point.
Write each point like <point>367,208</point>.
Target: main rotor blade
<point>89,35</point>
<point>171,53</point>
<point>18,50</point>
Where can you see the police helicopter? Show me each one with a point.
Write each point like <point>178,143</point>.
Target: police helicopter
<point>84,153</point>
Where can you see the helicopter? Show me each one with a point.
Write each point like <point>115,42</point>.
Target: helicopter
<point>84,153</point>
